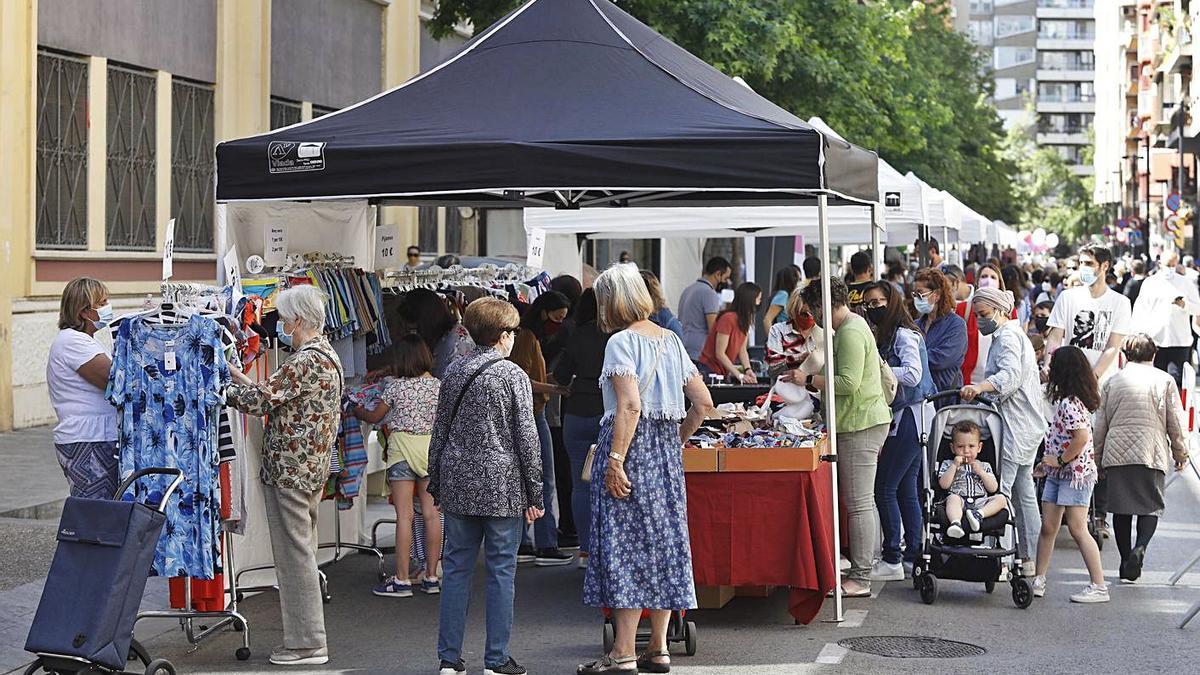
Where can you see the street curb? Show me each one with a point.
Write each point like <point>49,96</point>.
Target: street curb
<point>44,511</point>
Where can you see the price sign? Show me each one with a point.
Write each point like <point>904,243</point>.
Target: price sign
<point>387,238</point>
<point>169,250</point>
<point>233,272</point>
<point>535,247</point>
<point>275,246</point>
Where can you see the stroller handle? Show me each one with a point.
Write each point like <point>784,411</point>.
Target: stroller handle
<point>153,471</point>
<point>987,397</point>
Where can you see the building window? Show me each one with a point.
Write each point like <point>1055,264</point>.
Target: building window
<point>1067,60</point>
<point>1066,29</point>
<point>284,113</point>
<point>1065,123</point>
<point>1008,57</point>
<point>1067,4</point>
<point>192,165</point>
<point>980,32</point>
<point>62,149</point>
<point>1007,26</point>
<point>1008,87</point>
<point>131,144</point>
<point>321,111</point>
<point>981,6</point>
<point>1066,92</point>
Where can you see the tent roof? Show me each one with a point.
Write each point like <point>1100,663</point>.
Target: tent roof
<point>566,103</point>
<point>899,194</point>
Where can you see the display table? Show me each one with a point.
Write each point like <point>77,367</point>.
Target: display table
<point>736,393</point>
<point>765,529</point>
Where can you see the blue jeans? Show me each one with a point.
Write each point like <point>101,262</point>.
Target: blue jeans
<point>500,538</point>
<point>896,493</point>
<point>545,529</point>
<point>580,434</point>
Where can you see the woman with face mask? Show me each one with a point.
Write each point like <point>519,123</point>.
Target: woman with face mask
<point>77,373</point>
<point>945,331</point>
<point>988,276</point>
<point>897,496</point>
<point>1013,376</point>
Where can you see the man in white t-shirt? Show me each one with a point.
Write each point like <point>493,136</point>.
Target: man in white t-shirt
<point>1093,317</point>
<point>1164,310</point>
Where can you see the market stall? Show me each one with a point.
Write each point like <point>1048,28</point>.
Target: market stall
<point>587,108</point>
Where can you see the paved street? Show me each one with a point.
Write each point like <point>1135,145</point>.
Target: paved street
<point>1134,633</point>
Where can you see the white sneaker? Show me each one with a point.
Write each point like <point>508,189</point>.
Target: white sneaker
<point>1091,594</point>
<point>581,560</point>
<point>885,571</point>
<point>1039,587</point>
<point>974,519</point>
<point>955,531</point>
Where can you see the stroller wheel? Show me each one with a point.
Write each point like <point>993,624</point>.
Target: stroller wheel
<point>1022,593</point>
<point>929,589</point>
<point>990,586</point>
<point>160,666</point>
<point>689,638</point>
<point>242,654</point>
<point>34,667</point>
<point>610,637</point>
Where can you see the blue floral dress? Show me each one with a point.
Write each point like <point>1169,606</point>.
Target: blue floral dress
<point>640,554</point>
<point>166,382</point>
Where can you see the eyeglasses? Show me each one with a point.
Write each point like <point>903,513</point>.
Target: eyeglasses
<point>922,296</point>
<point>875,304</point>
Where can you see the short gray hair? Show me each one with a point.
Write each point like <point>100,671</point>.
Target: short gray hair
<point>303,303</point>
<point>622,297</point>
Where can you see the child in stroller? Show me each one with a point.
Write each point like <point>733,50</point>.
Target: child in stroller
<point>972,483</point>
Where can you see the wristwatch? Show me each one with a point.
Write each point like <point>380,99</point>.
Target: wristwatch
<point>1060,461</point>
<point>808,380</point>
<point>617,457</point>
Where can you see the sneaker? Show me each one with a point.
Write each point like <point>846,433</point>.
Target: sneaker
<point>581,560</point>
<point>955,531</point>
<point>300,657</point>
<point>908,569</point>
<point>1028,568</point>
<point>1039,587</point>
<point>510,668</point>
<point>1091,594</point>
<point>447,668</point>
<point>1133,567</point>
<point>974,519</point>
<point>430,586</point>
<point>393,588</point>
<point>526,554</point>
<point>886,571</point>
<point>552,557</point>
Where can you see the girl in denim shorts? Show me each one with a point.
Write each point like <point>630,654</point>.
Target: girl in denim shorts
<point>1069,467</point>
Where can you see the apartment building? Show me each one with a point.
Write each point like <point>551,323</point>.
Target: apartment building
<point>1040,50</point>
<point>1146,135</point>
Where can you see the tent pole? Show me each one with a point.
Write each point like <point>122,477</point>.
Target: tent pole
<point>221,238</point>
<point>876,250</point>
<point>827,401</point>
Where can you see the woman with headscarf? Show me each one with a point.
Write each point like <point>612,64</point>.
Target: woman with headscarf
<point>1013,377</point>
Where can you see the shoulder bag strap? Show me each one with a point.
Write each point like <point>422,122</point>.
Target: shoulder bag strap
<point>463,392</point>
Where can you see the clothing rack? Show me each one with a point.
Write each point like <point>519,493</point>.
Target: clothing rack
<point>434,277</point>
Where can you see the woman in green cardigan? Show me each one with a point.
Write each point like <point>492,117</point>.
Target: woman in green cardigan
<point>862,421</point>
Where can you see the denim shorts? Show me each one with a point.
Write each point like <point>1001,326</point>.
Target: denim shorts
<point>1059,491</point>
<point>401,471</point>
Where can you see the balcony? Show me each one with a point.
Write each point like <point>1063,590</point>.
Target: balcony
<point>1066,75</point>
<point>1083,169</point>
<point>1077,136</point>
<point>1066,10</point>
<point>1081,41</point>
<point>1060,106</point>
<point>1179,56</point>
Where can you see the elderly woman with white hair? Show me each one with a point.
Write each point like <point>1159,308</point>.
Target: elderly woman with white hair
<point>640,555</point>
<point>301,401</point>
<point>1013,378</point>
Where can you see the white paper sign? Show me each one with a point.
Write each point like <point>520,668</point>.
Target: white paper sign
<point>387,238</point>
<point>169,250</point>
<point>233,272</point>
<point>275,246</point>
<point>535,247</point>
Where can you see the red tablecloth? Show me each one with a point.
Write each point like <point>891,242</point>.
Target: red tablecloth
<point>764,529</point>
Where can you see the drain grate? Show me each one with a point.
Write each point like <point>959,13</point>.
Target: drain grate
<point>911,647</point>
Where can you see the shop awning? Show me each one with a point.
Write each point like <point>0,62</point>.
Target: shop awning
<point>568,103</point>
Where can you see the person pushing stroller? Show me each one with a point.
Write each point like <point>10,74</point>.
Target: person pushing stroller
<point>972,483</point>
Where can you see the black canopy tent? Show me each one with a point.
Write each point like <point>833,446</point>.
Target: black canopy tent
<point>566,104</point>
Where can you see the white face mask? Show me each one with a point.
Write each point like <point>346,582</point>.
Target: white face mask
<point>104,316</point>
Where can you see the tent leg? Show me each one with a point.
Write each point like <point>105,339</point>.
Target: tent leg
<point>221,238</point>
<point>876,249</point>
<point>827,401</point>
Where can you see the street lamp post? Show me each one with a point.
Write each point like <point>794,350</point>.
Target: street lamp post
<point>1145,225</point>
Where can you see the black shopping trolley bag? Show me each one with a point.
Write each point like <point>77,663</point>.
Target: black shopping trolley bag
<point>95,585</point>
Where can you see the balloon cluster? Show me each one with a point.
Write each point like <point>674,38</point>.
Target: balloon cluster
<point>1038,241</point>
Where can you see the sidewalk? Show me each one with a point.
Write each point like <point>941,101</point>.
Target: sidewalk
<point>36,487</point>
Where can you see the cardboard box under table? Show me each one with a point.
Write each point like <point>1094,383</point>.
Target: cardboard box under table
<point>770,525</point>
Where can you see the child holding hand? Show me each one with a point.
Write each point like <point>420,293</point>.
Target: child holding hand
<point>972,483</point>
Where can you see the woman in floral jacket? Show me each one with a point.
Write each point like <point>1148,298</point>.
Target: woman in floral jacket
<point>301,401</point>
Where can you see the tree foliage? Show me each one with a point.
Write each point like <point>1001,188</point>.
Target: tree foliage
<point>891,76</point>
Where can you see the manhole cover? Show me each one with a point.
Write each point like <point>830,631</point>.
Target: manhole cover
<point>908,647</point>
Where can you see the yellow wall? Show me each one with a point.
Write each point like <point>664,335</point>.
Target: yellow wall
<point>401,61</point>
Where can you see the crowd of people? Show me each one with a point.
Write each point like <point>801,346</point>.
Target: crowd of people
<point>551,435</point>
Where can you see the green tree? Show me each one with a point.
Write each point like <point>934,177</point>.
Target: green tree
<point>891,76</point>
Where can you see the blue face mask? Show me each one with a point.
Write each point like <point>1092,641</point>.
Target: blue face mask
<point>1087,275</point>
<point>104,316</point>
<point>284,336</point>
<point>922,305</point>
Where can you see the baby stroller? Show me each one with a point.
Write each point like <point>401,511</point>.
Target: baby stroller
<point>84,622</point>
<point>979,556</point>
<point>679,629</point>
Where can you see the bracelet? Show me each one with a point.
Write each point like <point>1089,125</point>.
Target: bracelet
<point>617,457</point>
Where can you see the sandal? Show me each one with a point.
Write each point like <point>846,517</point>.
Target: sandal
<point>607,665</point>
<point>647,664</point>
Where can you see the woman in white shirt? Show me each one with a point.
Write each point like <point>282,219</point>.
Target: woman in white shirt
<point>77,373</point>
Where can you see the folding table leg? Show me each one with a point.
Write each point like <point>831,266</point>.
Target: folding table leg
<point>1184,570</point>
<point>1191,614</point>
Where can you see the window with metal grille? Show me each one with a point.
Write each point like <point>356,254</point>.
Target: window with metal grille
<point>284,113</point>
<point>61,151</point>
<point>192,165</point>
<point>321,111</point>
<point>131,152</point>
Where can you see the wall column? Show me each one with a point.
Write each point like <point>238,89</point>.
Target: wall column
<point>18,165</point>
<point>401,61</point>
<point>243,91</point>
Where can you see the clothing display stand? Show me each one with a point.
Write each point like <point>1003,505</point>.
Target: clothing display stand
<point>230,616</point>
<point>339,546</point>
